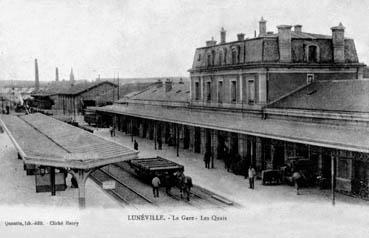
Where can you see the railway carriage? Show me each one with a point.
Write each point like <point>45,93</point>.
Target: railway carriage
<point>147,168</point>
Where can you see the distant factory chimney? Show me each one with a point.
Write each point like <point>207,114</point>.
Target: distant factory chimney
<point>57,74</point>
<point>71,76</point>
<point>37,81</point>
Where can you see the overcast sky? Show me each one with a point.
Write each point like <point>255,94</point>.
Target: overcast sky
<point>139,38</point>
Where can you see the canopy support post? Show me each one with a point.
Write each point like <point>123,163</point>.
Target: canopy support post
<point>155,134</point>
<point>333,179</point>
<point>52,181</point>
<point>177,137</point>
<point>81,176</point>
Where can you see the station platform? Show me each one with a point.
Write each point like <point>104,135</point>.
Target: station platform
<point>18,189</point>
<point>227,184</point>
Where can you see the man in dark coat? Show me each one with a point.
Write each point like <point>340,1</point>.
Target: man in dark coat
<point>207,157</point>
<point>135,145</point>
<point>168,182</point>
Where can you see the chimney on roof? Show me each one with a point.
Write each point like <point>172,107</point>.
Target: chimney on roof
<point>37,81</point>
<point>57,74</point>
<point>284,42</point>
<point>338,40</point>
<point>240,37</point>
<point>222,36</point>
<point>262,27</point>
<point>168,85</point>
<point>297,28</point>
<point>211,42</point>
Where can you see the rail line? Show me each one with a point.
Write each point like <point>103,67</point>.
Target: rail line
<point>122,191</point>
<point>200,198</point>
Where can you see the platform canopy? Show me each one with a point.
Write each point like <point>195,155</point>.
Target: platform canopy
<point>43,140</point>
<point>346,137</point>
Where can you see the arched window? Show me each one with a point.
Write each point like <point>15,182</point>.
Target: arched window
<point>209,60</point>
<point>312,53</point>
<point>234,56</point>
<point>220,58</point>
<point>213,57</point>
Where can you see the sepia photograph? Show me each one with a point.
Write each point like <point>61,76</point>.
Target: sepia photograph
<point>184,118</point>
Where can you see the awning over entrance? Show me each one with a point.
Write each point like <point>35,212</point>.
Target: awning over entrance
<point>339,137</point>
<point>43,140</point>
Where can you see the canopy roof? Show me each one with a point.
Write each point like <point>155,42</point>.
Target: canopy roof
<point>44,140</point>
<point>341,137</point>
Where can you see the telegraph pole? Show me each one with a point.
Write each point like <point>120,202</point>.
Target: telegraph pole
<point>118,85</point>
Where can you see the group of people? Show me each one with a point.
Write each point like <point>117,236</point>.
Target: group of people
<point>169,181</point>
<point>184,183</point>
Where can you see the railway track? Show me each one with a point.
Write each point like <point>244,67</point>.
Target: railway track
<point>122,191</point>
<point>200,197</point>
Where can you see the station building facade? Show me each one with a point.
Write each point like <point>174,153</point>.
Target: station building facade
<point>266,99</point>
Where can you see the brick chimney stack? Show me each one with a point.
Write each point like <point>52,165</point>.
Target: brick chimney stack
<point>222,36</point>
<point>284,41</point>
<point>37,81</point>
<point>297,28</point>
<point>211,42</point>
<point>240,37</point>
<point>338,40</point>
<point>262,27</point>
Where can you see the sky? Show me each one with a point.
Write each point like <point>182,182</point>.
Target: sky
<point>143,38</point>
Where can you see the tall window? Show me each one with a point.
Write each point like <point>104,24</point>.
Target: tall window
<point>225,56</point>
<point>220,91</point>
<point>233,91</point>
<point>209,60</point>
<point>197,91</point>
<point>220,58</point>
<point>213,57</point>
<point>208,91</point>
<point>251,91</point>
<point>234,56</point>
<point>313,54</point>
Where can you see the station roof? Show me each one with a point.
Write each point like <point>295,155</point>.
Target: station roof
<point>179,92</point>
<point>44,140</point>
<point>66,88</point>
<point>341,137</point>
<point>338,95</point>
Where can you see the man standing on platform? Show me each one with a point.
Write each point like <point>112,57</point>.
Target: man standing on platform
<point>135,145</point>
<point>251,173</point>
<point>207,157</point>
<point>155,186</point>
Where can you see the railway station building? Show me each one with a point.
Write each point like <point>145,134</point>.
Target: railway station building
<point>69,99</point>
<point>266,100</point>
